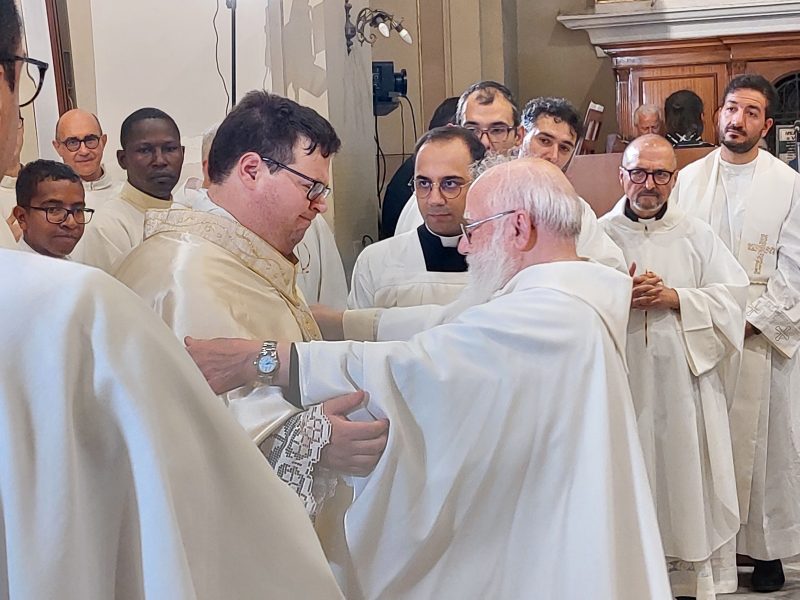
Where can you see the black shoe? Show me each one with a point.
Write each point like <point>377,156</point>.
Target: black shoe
<point>767,576</point>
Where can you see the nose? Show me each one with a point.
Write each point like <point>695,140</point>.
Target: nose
<point>436,198</point>
<point>70,222</point>
<point>552,156</point>
<point>649,183</point>
<point>487,143</point>
<point>158,157</point>
<point>319,204</point>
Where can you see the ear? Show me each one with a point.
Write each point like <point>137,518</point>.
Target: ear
<point>520,135</point>
<point>622,178</point>
<point>122,159</point>
<point>103,140</point>
<point>248,167</point>
<point>55,147</point>
<point>767,126</point>
<point>20,215</point>
<point>524,232</point>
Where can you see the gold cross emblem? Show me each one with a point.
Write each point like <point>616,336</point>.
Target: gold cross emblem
<point>761,249</point>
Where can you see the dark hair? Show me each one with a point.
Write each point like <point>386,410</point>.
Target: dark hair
<point>271,126</point>
<point>10,38</point>
<point>683,113</point>
<point>486,90</point>
<point>141,115</point>
<point>445,113</point>
<point>449,133</point>
<point>37,171</point>
<point>757,83</point>
<point>561,109</point>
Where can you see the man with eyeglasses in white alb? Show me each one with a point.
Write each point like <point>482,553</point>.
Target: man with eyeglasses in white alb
<point>227,267</point>
<point>80,143</point>
<point>424,266</point>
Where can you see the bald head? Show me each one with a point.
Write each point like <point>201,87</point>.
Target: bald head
<point>80,142</point>
<point>647,174</point>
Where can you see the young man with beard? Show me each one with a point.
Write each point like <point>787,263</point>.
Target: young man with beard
<point>152,155</point>
<point>751,201</point>
<point>504,422</point>
<point>686,327</point>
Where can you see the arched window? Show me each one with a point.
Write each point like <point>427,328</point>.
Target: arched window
<point>788,109</point>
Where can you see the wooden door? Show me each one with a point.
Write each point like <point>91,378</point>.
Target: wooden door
<point>652,85</point>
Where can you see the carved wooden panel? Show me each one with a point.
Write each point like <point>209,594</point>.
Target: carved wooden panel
<point>654,85</point>
<point>647,72</point>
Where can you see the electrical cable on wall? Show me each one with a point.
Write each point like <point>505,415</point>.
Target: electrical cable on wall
<point>266,47</point>
<point>380,160</point>
<point>402,132</point>
<point>216,57</point>
<point>413,116</point>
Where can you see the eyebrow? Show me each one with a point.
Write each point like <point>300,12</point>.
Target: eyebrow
<point>493,124</point>
<point>550,136</point>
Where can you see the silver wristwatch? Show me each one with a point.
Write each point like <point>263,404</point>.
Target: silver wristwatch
<point>267,363</point>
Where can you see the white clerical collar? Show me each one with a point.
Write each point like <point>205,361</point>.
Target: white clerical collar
<point>447,241</point>
<point>8,182</point>
<point>23,246</point>
<point>203,202</point>
<point>101,183</point>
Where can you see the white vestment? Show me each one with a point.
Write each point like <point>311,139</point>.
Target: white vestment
<point>320,273</point>
<point>116,228</point>
<point>99,191</point>
<point>121,474</point>
<point>394,272</point>
<point>512,450</point>
<point>764,235</point>
<point>208,276</point>
<point>677,364</point>
<point>410,217</point>
<point>8,200</point>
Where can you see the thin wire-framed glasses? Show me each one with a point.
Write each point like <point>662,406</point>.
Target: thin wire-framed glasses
<point>468,228</point>
<point>449,188</point>
<point>496,133</point>
<point>73,144</point>
<point>35,70</point>
<point>317,189</point>
<point>58,214</point>
<point>660,176</point>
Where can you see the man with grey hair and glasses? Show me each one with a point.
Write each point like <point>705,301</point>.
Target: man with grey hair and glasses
<point>503,422</point>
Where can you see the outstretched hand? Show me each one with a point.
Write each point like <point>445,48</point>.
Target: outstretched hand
<point>355,446</point>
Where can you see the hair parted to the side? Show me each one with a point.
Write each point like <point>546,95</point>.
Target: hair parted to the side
<point>560,109</point>
<point>271,126</point>
<point>141,115</point>
<point>447,134</point>
<point>37,171</point>
<point>751,81</point>
<point>485,93</point>
<point>536,186</point>
<point>683,113</point>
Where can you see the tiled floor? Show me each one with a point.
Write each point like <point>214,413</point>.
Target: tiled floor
<point>790,590</point>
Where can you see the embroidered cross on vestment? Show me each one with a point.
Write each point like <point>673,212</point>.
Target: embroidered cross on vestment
<point>761,249</point>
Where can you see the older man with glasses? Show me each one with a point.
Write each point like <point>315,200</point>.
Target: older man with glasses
<point>424,266</point>
<point>80,143</point>
<point>226,267</point>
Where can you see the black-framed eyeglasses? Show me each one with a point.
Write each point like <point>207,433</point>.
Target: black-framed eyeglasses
<point>468,228</point>
<point>58,214</point>
<point>73,144</point>
<point>660,176</point>
<point>496,133</point>
<point>36,77</point>
<point>315,192</point>
<point>450,188</point>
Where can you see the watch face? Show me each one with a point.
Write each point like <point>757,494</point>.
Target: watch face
<point>267,364</point>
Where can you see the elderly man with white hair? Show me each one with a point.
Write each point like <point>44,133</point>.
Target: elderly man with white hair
<point>648,118</point>
<point>513,450</point>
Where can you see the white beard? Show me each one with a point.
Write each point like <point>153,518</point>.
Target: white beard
<point>489,270</point>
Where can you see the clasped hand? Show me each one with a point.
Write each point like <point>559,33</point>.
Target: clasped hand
<point>650,293</point>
